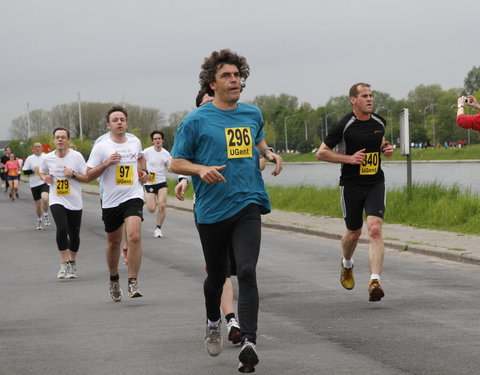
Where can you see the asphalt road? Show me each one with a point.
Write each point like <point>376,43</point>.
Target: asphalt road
<point>308,324</point>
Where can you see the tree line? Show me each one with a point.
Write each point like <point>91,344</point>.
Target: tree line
<point>289,125</point>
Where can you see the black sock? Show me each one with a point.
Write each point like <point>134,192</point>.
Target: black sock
<point>159,226</point>
<point>229,316</point>
<point>130,279</point>
<point>114,277</point>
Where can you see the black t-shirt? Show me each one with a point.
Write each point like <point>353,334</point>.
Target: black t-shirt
<point>3,160</point>
<point>350,135</point>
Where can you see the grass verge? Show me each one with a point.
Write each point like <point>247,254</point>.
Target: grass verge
<point>430,206</point>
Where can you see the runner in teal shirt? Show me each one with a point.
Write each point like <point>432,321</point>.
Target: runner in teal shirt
<point>219,145</point>
<point>212,136</point>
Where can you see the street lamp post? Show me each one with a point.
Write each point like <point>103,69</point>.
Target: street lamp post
<point>285,126</point>
<point>433,121</point>
<point>28,120</point>
<point>425,116</point>
<point>80,116</point>
<point>433,125</point>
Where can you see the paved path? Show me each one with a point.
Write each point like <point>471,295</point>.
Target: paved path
<point>308,324</point>
<point>447,245</point>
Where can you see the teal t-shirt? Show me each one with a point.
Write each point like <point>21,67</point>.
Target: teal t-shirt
<point>211,136</point>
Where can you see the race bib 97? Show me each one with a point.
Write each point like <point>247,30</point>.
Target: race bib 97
<point>239,142</point>
<point>370,164</point>
<point>124,175</point>
<point>62,186</point>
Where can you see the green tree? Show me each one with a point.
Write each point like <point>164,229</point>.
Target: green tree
<point>471,84</point>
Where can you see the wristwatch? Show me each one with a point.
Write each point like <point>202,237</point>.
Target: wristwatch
<point>264,153</point>
<point>74,174</point>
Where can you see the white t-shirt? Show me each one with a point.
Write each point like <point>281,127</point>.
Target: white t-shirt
<point>120,180</point>
<point>156,161</point>
<point>65,190</point>
<point>102,138</point>
<point>34,163</point>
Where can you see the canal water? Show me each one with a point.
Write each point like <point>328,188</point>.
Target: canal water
<point>466,174</point>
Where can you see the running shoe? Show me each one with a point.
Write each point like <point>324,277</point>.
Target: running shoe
<point>72,270</point>
<point>39,224</point>
<point>157,233</point>
<point>115,291</point>
<point>375,291</point>
<point>248,357</point>
<point>133,291</point>
<point>16,195</point>
<point>213,340</point>
<point>346,277</point>
<point>124,256</point>
<point>62,273</point>
<point>234,334</point>
<point>46,221</point>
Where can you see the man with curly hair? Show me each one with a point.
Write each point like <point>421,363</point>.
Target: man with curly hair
<point>219,144</point>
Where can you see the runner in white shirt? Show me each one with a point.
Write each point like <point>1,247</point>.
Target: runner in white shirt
<point>125,249</point>
<point>117,160</point>
<point>63,169</point>
<point>40,189</point>
<point>156,187</point>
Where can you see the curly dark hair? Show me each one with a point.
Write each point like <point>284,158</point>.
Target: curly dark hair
<point>215,61</point>
<point>116,108</point>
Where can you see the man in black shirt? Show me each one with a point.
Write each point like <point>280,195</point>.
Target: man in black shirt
<point>359,141</point>
<point>3,160</point>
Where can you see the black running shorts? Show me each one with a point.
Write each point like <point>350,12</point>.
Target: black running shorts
<point>357,198</point>
<point>155,188</point>
<point>114,217</point>
<point>38,190</point>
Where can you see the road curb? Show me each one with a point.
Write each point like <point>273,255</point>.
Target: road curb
<point>461,256</point>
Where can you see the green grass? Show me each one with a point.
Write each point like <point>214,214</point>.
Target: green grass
<point>430,206</point>
<point>467,153</point>
<point>434,206</point>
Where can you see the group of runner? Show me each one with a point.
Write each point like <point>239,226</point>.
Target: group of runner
<point>221,146</point>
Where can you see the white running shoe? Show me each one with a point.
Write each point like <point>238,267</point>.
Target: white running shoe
<point>71,271</point>
<point>46,221</point>
<point>62,273</point>
<point>213,340</point>
<point>157,233</point>
<point>39,224</point>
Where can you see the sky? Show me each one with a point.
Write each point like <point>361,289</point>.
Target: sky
<point>149,52</point>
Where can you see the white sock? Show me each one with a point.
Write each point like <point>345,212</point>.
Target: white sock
<point>347,263</point>
<point>213,324</point>
<point>45,215</point>
<point>374,276</point>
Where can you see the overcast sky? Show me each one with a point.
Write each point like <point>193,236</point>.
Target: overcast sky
<point>149,52</point>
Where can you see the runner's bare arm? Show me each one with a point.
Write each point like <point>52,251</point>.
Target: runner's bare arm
<point>325,153</point>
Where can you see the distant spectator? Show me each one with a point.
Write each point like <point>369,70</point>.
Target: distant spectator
<point>468,121</point>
